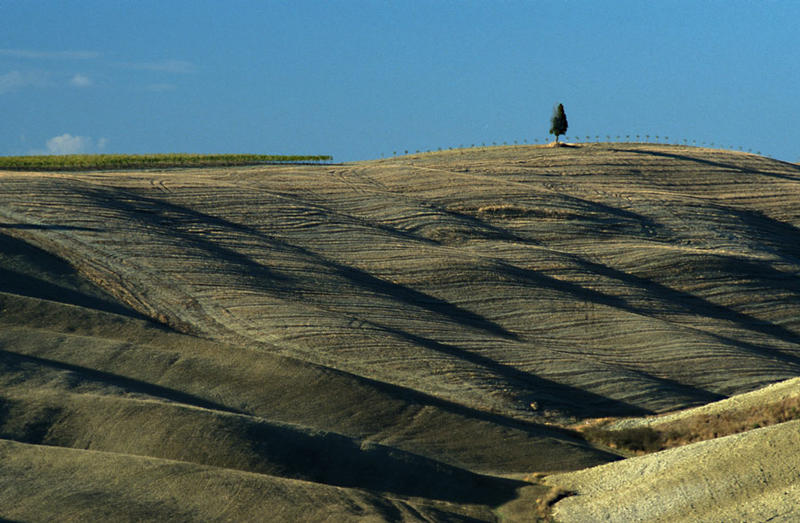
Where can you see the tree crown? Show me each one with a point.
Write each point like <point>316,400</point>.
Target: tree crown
<point>558,123</point>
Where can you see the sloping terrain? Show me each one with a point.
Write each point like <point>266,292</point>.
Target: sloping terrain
<point>751,476</point>
<point>772,405</point>
<point>127,393</point>
<point>407,331</point>
<point>58,484</point>
<point>742,406</point>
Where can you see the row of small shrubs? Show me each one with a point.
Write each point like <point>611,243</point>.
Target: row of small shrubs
<point>85,162</point>
<point>640,440</point>
<point>700,427</point>
<point>589,139</point>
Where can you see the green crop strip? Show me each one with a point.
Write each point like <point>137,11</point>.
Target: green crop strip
<point>95,162</point>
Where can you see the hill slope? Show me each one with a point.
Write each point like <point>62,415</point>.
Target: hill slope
<point>745,477</point>
<point>493,279</point>
<point>423,315</point>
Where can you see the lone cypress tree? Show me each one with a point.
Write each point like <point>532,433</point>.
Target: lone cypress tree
<point>558,123</point>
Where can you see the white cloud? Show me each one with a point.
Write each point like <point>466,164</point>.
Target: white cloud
<point>68,144</point>
<point>15,80</point>
<point>49,55</point>
<point>80,80</point>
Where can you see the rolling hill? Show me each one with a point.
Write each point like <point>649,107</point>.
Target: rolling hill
<point>406,338</point>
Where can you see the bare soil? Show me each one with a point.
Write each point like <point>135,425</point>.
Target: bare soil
<point>398,339</point>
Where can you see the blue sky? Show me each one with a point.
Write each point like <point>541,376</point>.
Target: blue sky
<point>362,79</point>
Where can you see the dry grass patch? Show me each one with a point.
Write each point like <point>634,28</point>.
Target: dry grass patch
<point>700,427</point>
<point>534,503</point>
<point>544,507</point>
<point>507,210</point>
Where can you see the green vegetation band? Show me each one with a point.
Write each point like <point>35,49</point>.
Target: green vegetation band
<point>81,162</point>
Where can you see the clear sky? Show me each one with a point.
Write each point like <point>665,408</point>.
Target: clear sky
<point>359,79</point>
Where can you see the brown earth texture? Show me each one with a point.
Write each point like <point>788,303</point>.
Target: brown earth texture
<point>418,338</point>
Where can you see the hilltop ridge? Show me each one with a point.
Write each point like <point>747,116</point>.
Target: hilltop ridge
<point>493,278</point>
<point>451,312</point>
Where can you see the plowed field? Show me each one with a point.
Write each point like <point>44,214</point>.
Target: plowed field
<point>392,339</point>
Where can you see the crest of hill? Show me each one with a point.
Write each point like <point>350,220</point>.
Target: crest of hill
<point>596,280</point>
<point>437,313</point>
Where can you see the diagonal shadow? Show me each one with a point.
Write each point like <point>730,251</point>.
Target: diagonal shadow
<point>32,226</point>
<point>781,237</point>
<point>14,282</point>
<point>334,459</point>
<point>595,215</point>
<point>38,261</point>
<point>577,291</point>
<point>480,225</point>
<point>403,394</point>
<point>422,300</point>
<point>279,449</point>
<point>685,301</point>
<point>156,211</point>
<point>575,401</point>
<point>417,397</point>
<point>588,206</point>
<point>699,396</point>
<point>693,304</point>
<point>712,163</point>
<point>131,384</point>
<point>361,279</point>
<point>159,210</point>
<point>360,220</point>
<point>760,351</point>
